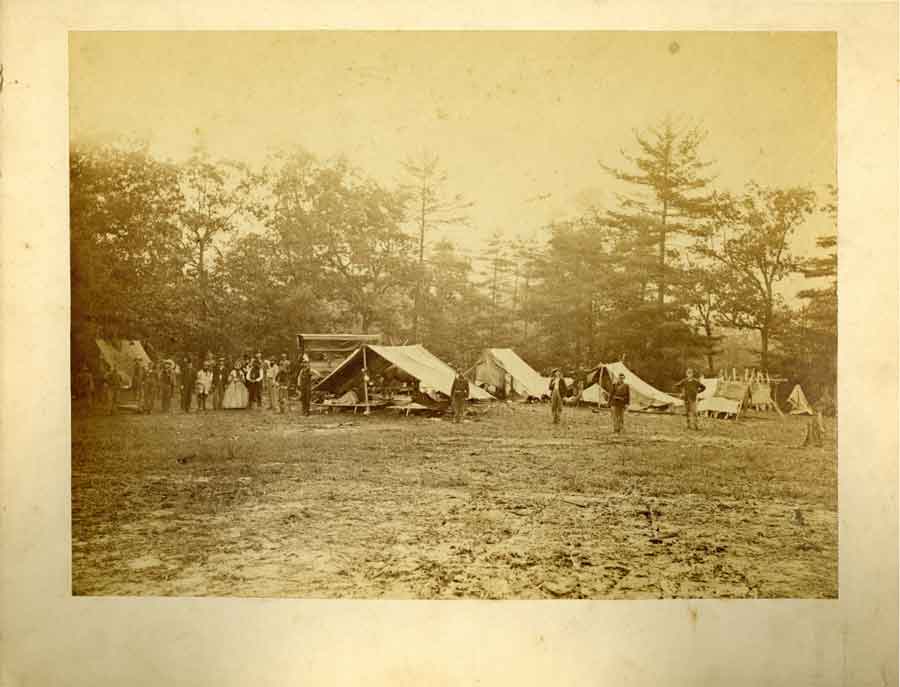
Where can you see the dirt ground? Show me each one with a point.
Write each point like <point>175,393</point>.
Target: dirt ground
<point>505,506</point>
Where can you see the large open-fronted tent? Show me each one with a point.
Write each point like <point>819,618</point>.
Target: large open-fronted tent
<point>413,362</point>
<point>502,369</point>
<point>644,396</point>
<point>326,351</point>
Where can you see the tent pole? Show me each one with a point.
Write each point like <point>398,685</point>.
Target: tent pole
<point>365,381</point>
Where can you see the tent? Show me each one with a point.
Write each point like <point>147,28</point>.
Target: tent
<point>723,397</point>
<point>403,362</point>
<point>594,395</point>
<point>797,401</point>
<point>120,354</point>
<point>502,369</point>
<point>326,351</point>
<point>643,395</point>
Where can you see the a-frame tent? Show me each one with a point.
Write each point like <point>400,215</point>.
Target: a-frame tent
<point>120,355</point>
<point>504,370</point>
<point>414,361</point>
<point>798,403</point>
<point>644,396</point>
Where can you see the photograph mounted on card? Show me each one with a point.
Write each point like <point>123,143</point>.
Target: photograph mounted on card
<point>454,315</point>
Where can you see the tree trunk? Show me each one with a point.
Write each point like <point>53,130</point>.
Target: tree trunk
<point>710,358</point>
<point>661,295</point>
<point>418,299</point>
<point>764,348</point>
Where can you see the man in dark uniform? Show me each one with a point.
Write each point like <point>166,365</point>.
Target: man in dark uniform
<point>187,382</point>
<point>558,393</point>
<point>459,394</point>
<point>167,385</point>
<point>619,398</point>
<point>254,380</point>
<point>304,381</point>
<point>692,388</point>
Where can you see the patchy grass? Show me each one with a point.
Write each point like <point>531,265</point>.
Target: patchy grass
<point>249,503</point>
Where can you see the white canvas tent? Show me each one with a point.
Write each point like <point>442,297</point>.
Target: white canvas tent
<point>120,354</point>
<point>797,401</point>
<point>643,395</point>
<point>414,362</point>
<point>503,369</point>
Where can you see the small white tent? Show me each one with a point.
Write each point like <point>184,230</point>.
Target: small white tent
<point>643,395</point>
<point>503,369</point>
<point>797,401</point>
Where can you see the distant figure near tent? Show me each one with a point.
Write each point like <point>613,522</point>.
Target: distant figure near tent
<point>692,388</point>
<point>558,393</point>
<point>459,394</point>
<point>304,382</point>
<point>619,400</point>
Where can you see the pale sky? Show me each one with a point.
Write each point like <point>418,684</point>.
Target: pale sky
<point>513,116</point>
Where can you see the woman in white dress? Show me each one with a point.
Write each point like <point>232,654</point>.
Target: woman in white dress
<point>236,395</point>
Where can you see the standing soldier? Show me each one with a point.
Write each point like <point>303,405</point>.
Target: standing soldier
<point>272,383</point>
<point>167,385</point>
<point>282,378</point>
<point>557,394</point>
<point>188,380</point>
<point>214,386</point>
<point>459,394</point>
<point>692,388</point>
<point>204,384</point>
<point>619,398</point>
<point>254,380</point>
<point>150,388</point>
<point>112,381</point>
<point>304,381</point>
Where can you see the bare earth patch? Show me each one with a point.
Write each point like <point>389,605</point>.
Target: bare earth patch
<point>249,503</point>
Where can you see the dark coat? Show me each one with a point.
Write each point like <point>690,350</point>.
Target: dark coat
<point>619,394</point>
<point>563,389</point>
<point>460,388</point>
<point>692,387</point>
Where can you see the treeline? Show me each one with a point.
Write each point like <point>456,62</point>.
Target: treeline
<point>211,255</point>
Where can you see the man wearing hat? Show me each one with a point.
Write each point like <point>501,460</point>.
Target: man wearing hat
<point>619,398</point>
<point>254,380</point>
<point>558,392</point>
<point>282,379</point>
<point>304,381</point>
<point>188,380</point>
<point>167,385</point>
<point>219,380</point>
<point>459,394</point>
<point>204,384</point>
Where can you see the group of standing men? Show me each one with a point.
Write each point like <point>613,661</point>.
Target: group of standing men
<point>213,385</point>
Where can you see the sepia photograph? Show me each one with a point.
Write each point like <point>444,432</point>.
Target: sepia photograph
<point>509,315</point>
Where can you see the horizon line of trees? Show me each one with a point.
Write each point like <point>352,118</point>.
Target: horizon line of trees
<point>210,255</point>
